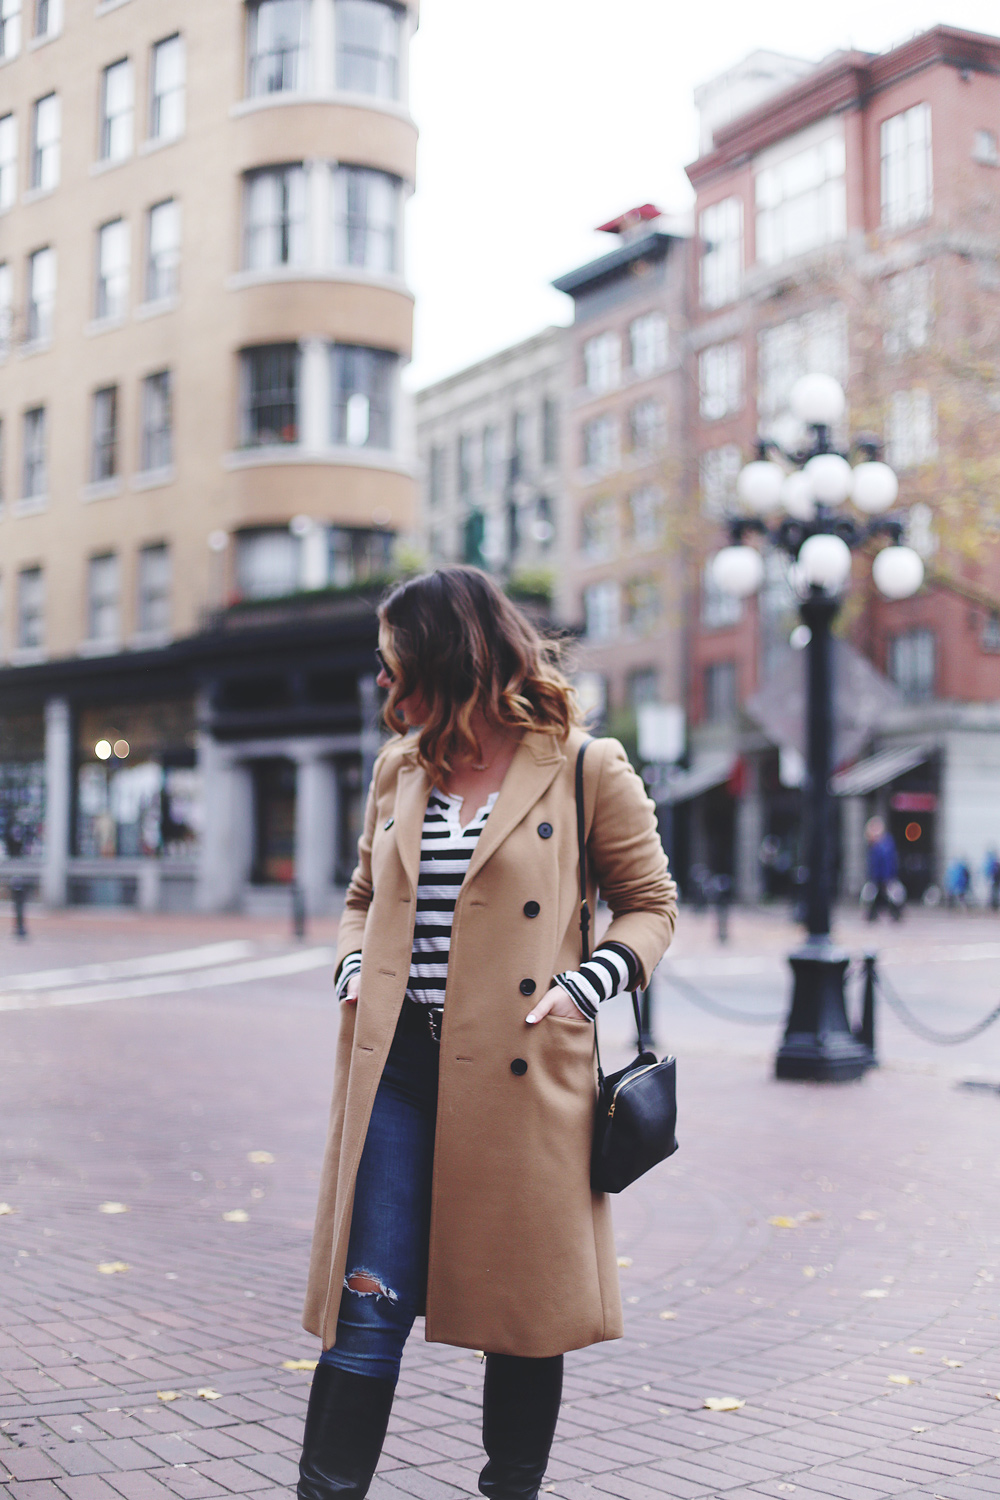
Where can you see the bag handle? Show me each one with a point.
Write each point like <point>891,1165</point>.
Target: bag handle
<point>581,839</point>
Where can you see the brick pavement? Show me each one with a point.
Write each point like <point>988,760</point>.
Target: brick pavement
<point>884,1264</point>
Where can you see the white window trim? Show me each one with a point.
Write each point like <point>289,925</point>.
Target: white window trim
<point>153,479</point>
<point>292,454</point>
<point>355,274</point>
<point>287,97</point>
<point>156,309</point>
<point>101,489</point>
<point>30,505</point>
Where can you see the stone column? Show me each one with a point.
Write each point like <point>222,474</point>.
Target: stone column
<point>852,851</point>
<point>58,800</point>
<point>315,828</point>
<point>749,831</point>
<point>228,832</point>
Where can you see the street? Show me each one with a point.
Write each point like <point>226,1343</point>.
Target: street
<point>827,1257</point>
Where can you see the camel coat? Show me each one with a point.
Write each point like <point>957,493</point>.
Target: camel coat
<point>522,1259</point>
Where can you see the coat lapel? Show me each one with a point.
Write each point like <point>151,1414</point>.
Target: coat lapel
<point>412,790</point>
<point>536,763</point>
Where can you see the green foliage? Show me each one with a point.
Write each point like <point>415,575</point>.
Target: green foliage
<point>534,584</point>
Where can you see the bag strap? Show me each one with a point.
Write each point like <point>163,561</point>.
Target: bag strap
<point>581,839</point>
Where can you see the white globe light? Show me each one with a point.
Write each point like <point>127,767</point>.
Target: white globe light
<point>898,572</point>
<point>759,486</point>
<point>831,477</point>
<point>825,560</point>
<point>817,400</point>
<point>797,495</point>
<point>738,571</point>
<point>874,487</point>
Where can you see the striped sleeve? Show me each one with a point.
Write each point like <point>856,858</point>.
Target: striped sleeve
<point>350,967</point>
<point>610,971</point>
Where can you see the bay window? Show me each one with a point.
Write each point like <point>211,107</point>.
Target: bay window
<point>277,40</point>
<point>363,382</point>
<point>367,207</point>
<point>801,200</point>
<point>270,404</point>
<point>369,47</point>
<point>275,225</point>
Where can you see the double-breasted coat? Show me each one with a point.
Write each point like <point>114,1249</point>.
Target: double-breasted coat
<point>521,1256</point>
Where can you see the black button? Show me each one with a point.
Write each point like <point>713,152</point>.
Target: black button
<point>531,908</point>
<point>388,824</point>
<point>519,1067</point>
<point>545,830</point>
<point>527,986</point>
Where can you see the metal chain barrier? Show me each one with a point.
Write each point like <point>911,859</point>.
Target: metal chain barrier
<point>714,1007</point>
<point>928,1033</point>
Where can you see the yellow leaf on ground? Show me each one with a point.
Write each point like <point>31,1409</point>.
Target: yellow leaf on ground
<point>809,1216</point>
<point>953,1364</point>
<point>723,1403</point>
<point>876,1291</point>
<point>918,1429</point>
<point>667,1316</point>
<point>916,1349</point>
<point>299,1364</point>
<point>236,1216</point>
<point>207,1394</point>
<point>5,1208</point>
<point>260,1158</point>
<point>112,1208</point>
<point>900,1380</point>
<point>664,1411</point>
<point>782,1221</point>
<point>168,1395</point>
<point>625,1261</point>
<point>112,1267</point>
<point>869,1213</point>
<point>809,1271</point>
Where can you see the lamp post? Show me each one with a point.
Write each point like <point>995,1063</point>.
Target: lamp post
<point>809,484</point>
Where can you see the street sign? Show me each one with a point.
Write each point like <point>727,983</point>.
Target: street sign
<point>661,732</point>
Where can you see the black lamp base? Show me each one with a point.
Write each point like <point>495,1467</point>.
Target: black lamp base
<point>819,1043</point>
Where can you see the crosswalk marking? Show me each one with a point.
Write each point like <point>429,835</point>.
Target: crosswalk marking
<point>131,968</point>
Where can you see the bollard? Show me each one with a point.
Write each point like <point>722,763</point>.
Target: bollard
<point>722,891</point>
<point>298,912</point>
<point>866,1031</point>
<point>18,894</point>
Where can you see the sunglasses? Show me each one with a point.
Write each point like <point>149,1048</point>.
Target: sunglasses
<point>384,664</point>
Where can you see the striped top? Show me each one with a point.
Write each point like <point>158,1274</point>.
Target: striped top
<point>445,851</point>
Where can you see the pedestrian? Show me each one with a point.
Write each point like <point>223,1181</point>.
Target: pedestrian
<point>991,869</point>
<point>883,887</point>
<point>957,881</point>
<point>456,1180</point>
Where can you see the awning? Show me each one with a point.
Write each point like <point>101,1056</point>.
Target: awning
<point>878,770</point>
<point>684,785</point>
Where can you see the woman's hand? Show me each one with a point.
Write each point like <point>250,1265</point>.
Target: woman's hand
<point>555,1002</point>
<point>351,993</point>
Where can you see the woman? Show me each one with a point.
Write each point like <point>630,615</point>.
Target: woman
<point>456,1176</point>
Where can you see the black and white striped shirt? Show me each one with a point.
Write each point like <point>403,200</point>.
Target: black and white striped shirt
<point>445,851</point>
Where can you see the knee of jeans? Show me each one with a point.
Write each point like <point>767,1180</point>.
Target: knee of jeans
<point>365,1283</point>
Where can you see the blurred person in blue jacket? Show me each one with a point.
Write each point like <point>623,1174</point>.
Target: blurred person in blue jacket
<point>883,888</point>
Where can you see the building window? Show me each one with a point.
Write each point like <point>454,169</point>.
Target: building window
<point>41,294</point>
<point>163,250</point>
<point>369,46</point>
<point>720,229</point>
<point>647,427</point>
<point>909,310</point>
<point>801,202</point>
<point>267,563</point>
<point>157,422</point>
<point>647,342</point>
<point>35,474</point>
<point>366,219</point>
<point>435,476</point>
<point>646,517</point>
<point>277,32</point>
<point>30,609</point>
<point>166,111</point>
<point>907,177</point>
<point>8,161</point>
<point>600,443</point>
<point>117,108</point>
<point>103,594</point>
<point>113,259</point>
<point>362,400</point>
<point>10,28</point>
<point>985,149</point>
<point>104,434</point>
<point>643,688</point>
<point>46,134</point>
<point>717,472</point>
<point>602,362</point>
<point>466,466</point>
<point>911,430</point>
<point>492,460</point>
<point>718,609</point>
<point>815,341</point>
<point>3,471</point>
<point>642,605</point>
<point>720,379</point>
<point>602,610</point>
<point>48,17</point>
<point>6,307</point>
<point>275,230</point>
<point>518,445</point>
<point>912,664</point>
<point>720,692</point>
<point>599,530</point>
<point>270,407</point>
<point>155,582</point>
<point>550,431</point>
<point>357,555</point>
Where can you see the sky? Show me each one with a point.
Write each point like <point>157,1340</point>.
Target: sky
<point>540,119</point>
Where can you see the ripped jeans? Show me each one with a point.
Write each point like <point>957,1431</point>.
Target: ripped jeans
<point>386,1275</point>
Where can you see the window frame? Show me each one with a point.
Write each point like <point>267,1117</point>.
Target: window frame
<point>40,319</point>
<point>8,163</point>
<point>286,216</point>
<point>720,270</point>
<point>104,435</point>
<point>256,59</point>
<point>46,156</point>
<point>10,29</point>
<point>34,453</point>
<point>104,603</point>
<point>282,395</point>
<point>711,361</point>
<point>125,116</point>
<point>157,97</point>
<point>902,204</point>
<point>157,442</point>
<point>352,223</point>
<point>110,306</point>
<point>381,415</point>
<point>36,575</point>
<point>144,595</point>
<point>152,268</point>
<point>342,68</point>
<point>602,362</point>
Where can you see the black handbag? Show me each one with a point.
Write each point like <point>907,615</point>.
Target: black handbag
<point>636,1117</point>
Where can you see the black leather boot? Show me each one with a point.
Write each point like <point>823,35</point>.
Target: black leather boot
<point>345,1429</point>
<point>520,1408</point>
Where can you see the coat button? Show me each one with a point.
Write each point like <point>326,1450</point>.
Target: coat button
<point>388,824</point>
<point>531,908</point>
<point>545,830</point>
<point>519,1067</point>
<point>527,986</point>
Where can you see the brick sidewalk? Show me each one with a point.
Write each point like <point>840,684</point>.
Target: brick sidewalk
<point>881,1265</point>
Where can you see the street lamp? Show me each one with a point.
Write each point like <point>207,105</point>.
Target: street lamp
<point>810,485</point>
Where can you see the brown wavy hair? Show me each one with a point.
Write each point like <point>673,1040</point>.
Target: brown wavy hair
<point>455,637</point>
